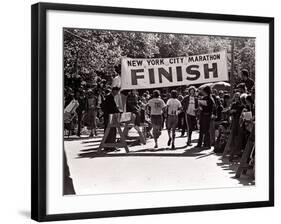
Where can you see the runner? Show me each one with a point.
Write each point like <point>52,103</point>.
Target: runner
<point>173,108</point>
<point>156,105</point>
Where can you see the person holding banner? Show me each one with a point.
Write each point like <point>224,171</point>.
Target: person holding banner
<point>156,105</point>
<point>249,83</point>
<point>173,108</point>
<point>110,107</point>
<point>190,107</point>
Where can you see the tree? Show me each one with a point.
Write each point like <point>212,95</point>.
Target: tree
<point>91,53</point>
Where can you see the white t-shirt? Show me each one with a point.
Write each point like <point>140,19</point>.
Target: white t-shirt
<point>173,106</point>
<point>191,106</point>
<point>156,105</point>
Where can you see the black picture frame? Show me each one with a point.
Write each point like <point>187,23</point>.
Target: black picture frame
<point>39,122</point>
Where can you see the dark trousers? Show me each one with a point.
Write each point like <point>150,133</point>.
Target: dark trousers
<point>191,121</point>
<point>182,122</point>
<point>111,138</point>
<point>205,120</point>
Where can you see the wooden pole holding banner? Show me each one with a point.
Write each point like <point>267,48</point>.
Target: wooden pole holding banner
<point>114,122</point>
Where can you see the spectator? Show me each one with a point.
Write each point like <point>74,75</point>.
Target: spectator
<point>235,112</point>
<point>226,101</point>
<point>249,83</point>
<point>215,92</point>
<point>190,107</point>
<point>241,88</point>
<point>148,96</point>
<point>206,105</point>
<point>212,129</point>
<point>221,94</point>
<point>219,108</point>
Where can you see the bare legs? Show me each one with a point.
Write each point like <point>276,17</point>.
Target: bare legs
<point>172,138</point>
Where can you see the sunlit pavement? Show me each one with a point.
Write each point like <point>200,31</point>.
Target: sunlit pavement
<point>146,168</point>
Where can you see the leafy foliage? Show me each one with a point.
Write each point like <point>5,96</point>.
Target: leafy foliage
<point>89,54</point>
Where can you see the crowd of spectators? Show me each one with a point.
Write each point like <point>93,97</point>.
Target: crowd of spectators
<point>223,118</point>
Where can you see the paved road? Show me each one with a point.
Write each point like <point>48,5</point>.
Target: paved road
<point>146,168</point>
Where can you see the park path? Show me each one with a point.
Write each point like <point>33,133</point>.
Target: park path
<point>146,168</point>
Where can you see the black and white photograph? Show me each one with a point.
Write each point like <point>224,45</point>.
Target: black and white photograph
<point>140,111</point>
<point>144,111</point>
<point>154,112</point>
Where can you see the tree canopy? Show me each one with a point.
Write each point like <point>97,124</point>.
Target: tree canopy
<point>89,54</point>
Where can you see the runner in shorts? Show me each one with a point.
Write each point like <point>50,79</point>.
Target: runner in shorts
<point>156,105</point>
<point>173,109</point>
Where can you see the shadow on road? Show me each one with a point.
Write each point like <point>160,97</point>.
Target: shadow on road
<point>198,153</point>
<point>149,152</point>
<point>93,141</point>
<point>205,155</point>
<point>78,138</point>
<point>231,168</point>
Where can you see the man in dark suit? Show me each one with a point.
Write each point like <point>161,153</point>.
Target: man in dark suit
<point>206,104</point>
<point>110,107</point>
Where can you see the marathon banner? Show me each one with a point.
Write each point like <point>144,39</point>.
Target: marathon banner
<point>166,72</point>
